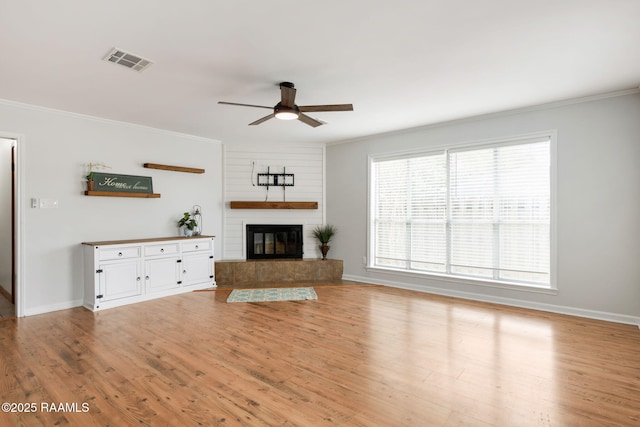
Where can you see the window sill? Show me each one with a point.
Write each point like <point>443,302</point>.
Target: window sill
<point>467,280</point>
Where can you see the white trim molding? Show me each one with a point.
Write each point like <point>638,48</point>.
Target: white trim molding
<point>571,311</point>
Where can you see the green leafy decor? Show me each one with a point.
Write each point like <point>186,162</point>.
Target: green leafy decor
<point>324,233</point>
<point>187,221</point>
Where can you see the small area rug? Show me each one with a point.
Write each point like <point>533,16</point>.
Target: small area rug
<point>271,294</point>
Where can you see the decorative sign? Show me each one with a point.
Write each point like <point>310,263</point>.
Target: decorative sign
<point>122,183</point>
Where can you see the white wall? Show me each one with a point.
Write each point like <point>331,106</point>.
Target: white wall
<point>5,214</point>
<point>306,162</point>
<point>598,206</point>
<point>56,148</point>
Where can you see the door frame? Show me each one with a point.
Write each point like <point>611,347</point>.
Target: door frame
<point>13,221</point>
<point>18,179</point>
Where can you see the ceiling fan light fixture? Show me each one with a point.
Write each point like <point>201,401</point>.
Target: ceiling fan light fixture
<point>287,109</point>
<point>286,113</point>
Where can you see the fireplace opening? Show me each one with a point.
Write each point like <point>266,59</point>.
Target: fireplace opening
<point>269,241</point>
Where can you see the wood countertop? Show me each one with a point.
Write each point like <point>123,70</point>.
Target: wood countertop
<point>150,240</point>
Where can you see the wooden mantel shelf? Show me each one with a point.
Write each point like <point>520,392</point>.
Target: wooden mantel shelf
<point>173,168</point>
<point>273,205</point>
<point>122,194</point>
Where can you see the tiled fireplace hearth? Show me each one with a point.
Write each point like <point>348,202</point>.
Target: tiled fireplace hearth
<point>231,273</point>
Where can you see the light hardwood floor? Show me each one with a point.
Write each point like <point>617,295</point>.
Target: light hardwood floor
<point>358,356</point>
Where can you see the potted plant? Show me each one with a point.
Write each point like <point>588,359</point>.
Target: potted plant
<point>188,223</point>
<point>324,233</point>
<point>91,175</point>
<point>90,181</point>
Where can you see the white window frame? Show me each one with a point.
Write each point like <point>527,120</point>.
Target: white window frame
<point>513,140</point>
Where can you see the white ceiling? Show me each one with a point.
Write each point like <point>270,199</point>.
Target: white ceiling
<point>401,64</point>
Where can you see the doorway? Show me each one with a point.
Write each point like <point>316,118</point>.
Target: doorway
<point>8,262</point>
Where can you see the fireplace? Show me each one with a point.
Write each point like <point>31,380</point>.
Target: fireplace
<point>269,241</point>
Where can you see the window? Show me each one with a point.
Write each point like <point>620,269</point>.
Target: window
<point>480,212</point>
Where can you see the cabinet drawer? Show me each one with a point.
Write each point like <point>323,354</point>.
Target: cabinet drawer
<point>119,253</point>
<point>197,246</point>
<point>164,249</point>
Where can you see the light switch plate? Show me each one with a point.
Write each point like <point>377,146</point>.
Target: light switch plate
<point>48,204</point>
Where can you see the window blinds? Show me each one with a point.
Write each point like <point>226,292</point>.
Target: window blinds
<point>478,212</point>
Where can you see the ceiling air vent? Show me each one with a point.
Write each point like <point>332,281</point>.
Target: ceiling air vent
<point>128,60</point>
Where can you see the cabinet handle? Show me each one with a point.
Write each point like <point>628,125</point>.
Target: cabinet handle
<point>162,250</point>
<point>138,278</point>
<point>196,246</point>
<point>147,277</point>
<point>119,253</point>
<point>184,271</point>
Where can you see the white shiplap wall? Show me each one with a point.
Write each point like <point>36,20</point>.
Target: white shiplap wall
<point>306,162</point>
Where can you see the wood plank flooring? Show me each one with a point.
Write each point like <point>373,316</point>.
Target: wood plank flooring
<point>358,356</point>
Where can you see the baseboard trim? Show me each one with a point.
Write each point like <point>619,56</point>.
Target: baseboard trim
<point>54,307</point>
<point>559,309</point>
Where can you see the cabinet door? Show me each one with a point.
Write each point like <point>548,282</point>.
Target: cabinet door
<point>197,268</point>
<point>119,280</point>
<point>162,274</point>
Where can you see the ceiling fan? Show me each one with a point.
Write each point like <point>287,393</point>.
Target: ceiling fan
<point>286,109</point>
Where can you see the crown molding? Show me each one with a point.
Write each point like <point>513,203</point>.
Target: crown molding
<point>503,113</point>
<point>21,105</point>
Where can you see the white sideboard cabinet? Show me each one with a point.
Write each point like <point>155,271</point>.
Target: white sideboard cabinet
<point>123,272</point>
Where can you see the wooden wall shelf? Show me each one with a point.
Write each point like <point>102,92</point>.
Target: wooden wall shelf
<point>273,205</point>
<point>122,194</point>
<point>173,168</point>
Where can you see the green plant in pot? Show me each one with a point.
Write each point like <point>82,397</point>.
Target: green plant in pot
<point>324,234</point>
<point>91,175</point>
<point>90,181</point>
<point>188,223</point>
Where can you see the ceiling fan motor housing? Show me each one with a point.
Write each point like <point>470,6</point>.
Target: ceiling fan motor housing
<point>286,113</point>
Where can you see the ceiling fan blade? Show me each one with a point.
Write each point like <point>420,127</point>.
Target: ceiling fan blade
<point>309,120</point>
<point>243,105</point>
<point>262,120</point>
<point>288,95</point>
<point>334,107</point>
